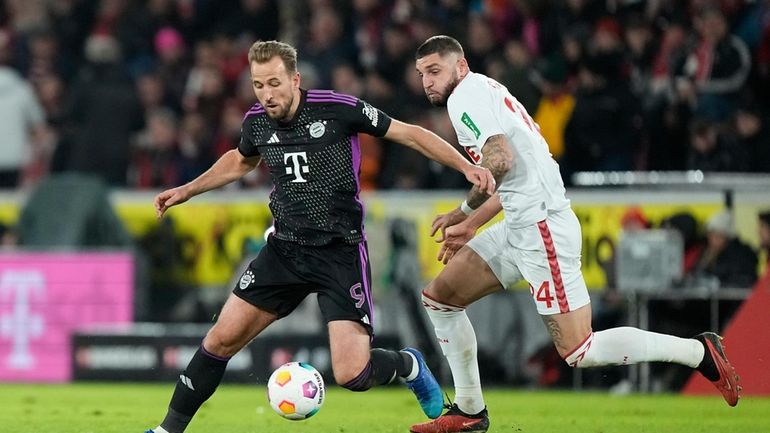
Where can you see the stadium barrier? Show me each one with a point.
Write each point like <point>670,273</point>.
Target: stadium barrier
<point>158,352</point>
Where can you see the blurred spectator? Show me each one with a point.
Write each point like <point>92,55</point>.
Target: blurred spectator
<point>666,146</point>
<point>713,151</point>
<point>206,93</point>
<point>104,112</point>
<point>606,44</point>
<point>640,41</point>
<point>45,58</point>
<point>22,125</point>
<point>172,62</point>
<point>125,21</point>
<point>346,80</point>
<point>516,74</point>
<point>152,93</point>
<point>687,226</point>
<point>726,258</point>
<point>233,58</point>
<point>573,50</point>
<point>556,106</point>
<point>324,45</point>
<point>397,52</point>
<point>258,19</point>
<point>753,133</point>
<point>716,68</point>
<point>155,162</point>
<point>603,131</point>
<point>195,146</point>
<point>481,45</point>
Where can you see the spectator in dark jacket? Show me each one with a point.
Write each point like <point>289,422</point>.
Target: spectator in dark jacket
<point>753,133</point>
<point>603,131</point>
<point>717,66</point>
<point>104,112</point>
<point>712,151</point>
<point>727,258</point>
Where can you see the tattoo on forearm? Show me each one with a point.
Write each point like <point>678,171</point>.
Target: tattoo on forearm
<point>498,158</point>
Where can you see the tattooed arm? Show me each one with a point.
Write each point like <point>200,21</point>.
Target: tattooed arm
<point>498,158</point>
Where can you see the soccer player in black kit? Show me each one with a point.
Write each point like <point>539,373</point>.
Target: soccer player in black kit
<point>308,139</point>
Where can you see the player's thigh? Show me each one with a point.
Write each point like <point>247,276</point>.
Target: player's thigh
<point>349,346</point>
<point>569,330</point>
<point>478,269</point>
<point>465,279</point>
<point>238,323</point>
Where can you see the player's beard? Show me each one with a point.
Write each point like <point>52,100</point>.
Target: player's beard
<point>283,115</point>
<point>444,96</point>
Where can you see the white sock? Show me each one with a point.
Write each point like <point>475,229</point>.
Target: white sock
<point>458,342</point>
<point>626,345</point>
<point>415,367</point>
<point>159,429</point>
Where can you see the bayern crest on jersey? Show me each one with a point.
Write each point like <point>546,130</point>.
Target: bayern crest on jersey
<point>317,129</point>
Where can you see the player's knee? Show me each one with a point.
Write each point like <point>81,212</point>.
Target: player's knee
<point>436,304</point>
<point>221,345</point>
<point>354,378</point>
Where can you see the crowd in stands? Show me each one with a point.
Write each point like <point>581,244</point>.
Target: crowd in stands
<point>148,93</point>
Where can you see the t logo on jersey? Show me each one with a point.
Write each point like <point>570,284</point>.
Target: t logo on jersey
<point>297,167</point>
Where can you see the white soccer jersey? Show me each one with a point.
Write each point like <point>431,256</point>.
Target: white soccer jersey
<point>479,108</point>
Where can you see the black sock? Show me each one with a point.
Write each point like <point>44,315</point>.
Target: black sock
<point>196,384</point>
<point>707,367</point>
<point>383,367</point>
<point>387,362</point>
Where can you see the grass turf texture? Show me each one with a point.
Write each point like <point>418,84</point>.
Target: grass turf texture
<point>132,408</point>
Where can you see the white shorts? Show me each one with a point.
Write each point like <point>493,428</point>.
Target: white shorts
<point>546,255</point>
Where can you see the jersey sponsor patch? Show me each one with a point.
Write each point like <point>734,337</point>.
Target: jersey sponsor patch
<point>466,119</point>
<point>371,113</point>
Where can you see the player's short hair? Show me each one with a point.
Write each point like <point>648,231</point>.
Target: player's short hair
<point>263,51</point>
<point>440,44</point>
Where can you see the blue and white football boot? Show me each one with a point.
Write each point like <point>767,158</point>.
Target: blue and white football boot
<point>425,387</point>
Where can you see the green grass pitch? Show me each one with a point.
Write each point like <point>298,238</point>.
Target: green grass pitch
<point>132,408</point>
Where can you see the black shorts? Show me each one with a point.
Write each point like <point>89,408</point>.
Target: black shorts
<point>284,273</point>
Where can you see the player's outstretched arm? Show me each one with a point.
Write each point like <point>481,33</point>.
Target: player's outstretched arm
<point>229,167</point>
<point>435,148</point>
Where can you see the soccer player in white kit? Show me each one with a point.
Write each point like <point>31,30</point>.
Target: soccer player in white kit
<point>539,241</point>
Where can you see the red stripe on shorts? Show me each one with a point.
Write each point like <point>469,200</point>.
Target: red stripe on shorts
<point>553,263</point>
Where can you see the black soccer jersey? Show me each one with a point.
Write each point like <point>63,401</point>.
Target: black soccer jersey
<point>315,162</point>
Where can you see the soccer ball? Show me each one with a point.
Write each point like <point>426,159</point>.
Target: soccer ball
<point>295,390</point>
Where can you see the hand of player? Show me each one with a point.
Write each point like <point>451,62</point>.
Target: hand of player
<point>481,177</point>
<point>441,222</point>
<point>171,197</point>
<point>455,237</point>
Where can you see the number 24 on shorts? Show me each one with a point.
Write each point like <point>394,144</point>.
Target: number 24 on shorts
<point>543,293</point>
